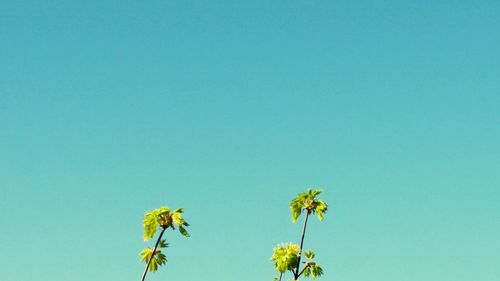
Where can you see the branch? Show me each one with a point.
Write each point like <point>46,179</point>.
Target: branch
<point>152,255</point>
<point>302,243</point>
<point>303,269</point>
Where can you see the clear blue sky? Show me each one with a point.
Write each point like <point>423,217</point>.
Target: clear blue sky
<point>231,108</point>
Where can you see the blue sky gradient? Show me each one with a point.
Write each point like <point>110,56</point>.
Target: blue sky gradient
<point>231,108</point>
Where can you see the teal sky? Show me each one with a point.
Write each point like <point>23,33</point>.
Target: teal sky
<point>231,108</point>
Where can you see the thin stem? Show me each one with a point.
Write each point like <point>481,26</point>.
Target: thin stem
<point>152,255</point>
<point>296,273</point>
<point>303,269</point>
<point>281,274</point>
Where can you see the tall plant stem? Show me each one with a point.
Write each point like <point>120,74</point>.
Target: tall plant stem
<point>296,273</point>
<point>281,274</point>
<point>152,255</point>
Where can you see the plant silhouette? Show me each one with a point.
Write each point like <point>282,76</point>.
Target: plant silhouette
<point>160,219</point>
<point>288,256</point>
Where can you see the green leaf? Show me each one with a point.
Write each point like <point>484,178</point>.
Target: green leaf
<point>296,208</point>
<point>309,254</point>
<point>183,231</point>
<point>152,221</point>
<point>145,254</point>
<point>316,192</point>
<point>150,225</point>
<point>321,208</point>
<point>178,210</point>
<point>285,257</point>
<point>316,271</point>
<point>307,201</point>
<point>163,244</point>
<point>177,218</point>
<point>158,259</point>
<point>307,271</point>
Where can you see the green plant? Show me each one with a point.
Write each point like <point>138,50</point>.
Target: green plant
<point>160,219</point>
<point>287,257</point>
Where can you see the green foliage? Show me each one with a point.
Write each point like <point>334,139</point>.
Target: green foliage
<point>177,216</point>
<point>162,244</point>
<point>154,219</point>
<point>307,202</point>
<point>309,254</point>
<point>310,267</point>
<point>161,218</point>
<point>312,270</point>
<point>164,218</point>
<point>316,271</point>
<point>158,258</point>
<point>183,231</point>
<point>180,222</point>
<point>285,256</point>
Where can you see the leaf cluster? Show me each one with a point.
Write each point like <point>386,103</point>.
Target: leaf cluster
<point>308,202</point>
<point>161,218</point>
<point>286,257</point>
<point>157,258</point>
<point>164,218</point>
<point>311,268</point>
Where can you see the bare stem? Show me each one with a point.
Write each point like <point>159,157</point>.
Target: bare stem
<point>303,269</point>
<point>296,273</point>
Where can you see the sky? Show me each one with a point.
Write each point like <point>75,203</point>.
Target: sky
<point>231,108</point>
